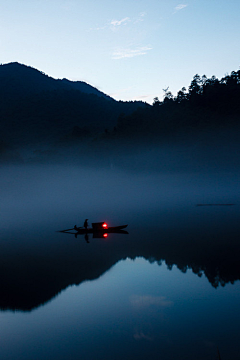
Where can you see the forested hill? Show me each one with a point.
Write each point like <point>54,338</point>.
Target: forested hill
<point>16,78</point>
<point>36,108</point>
<point>207,104</point>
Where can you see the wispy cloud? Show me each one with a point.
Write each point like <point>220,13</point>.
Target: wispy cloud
<point>129,53</point>
<point>115,24</point>
<point>124,21</point>
<point>179,7</point>
<point>97,28</point>
<point>142,97</point>
<point>140,18</point>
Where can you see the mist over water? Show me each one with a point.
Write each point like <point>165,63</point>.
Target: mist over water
<point>116,177</point>
<point>42,194</point>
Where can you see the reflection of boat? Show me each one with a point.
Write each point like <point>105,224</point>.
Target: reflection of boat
<point>99,230</point>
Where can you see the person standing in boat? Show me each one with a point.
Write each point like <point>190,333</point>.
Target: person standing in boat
<point>85,224</point>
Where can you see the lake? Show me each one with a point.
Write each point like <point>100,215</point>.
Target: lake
<point>169,289</point>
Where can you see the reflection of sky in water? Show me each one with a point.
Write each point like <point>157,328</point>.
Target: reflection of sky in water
<point>136,309</point>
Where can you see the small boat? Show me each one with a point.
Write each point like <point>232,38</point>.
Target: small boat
<point>99,230</point>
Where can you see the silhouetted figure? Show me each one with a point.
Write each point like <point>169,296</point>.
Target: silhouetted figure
<point>75,227</point>
<point>85,224</point>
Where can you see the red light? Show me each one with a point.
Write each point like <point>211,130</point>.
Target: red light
<point>105,235</point>
<point>104,225</point>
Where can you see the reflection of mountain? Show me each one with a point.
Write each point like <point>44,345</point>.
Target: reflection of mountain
<point>220,264</point>
<point>32,275</point>
<point>30,279</point>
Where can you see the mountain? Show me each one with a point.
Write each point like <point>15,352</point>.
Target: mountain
<point>85,88</point>
<point>15,77</point>
<point>35,108</point>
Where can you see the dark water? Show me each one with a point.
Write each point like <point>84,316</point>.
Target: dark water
<point>167,290</point>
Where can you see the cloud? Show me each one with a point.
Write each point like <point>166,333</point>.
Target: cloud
<point>120,22</point>
<point>179,7</point>
<point>129,53</point>
<point>114,24</point>
<point>141,97</point>
<point>97,28</point>
<point>143,301</point>
<point>140,18</point>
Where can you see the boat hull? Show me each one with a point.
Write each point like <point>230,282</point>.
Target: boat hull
<point>96,231</point>
<point>113,229</point>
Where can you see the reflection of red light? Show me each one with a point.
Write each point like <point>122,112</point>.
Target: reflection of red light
<point>104,225</point>
<point>105,235</point>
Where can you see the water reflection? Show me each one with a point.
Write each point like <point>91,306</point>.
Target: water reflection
<point>136,310</point>
<point>35,269</point>
<point>164,290</point>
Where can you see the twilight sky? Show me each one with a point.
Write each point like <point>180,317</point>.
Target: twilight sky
<point>129,49</point>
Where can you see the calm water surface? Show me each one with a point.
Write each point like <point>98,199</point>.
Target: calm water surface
<point>169,289</point>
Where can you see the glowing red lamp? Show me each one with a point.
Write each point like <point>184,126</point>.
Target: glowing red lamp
<point>104,225</point>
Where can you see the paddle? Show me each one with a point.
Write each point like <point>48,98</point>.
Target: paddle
<point>79,227</point>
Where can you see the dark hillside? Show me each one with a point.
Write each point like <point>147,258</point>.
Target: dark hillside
<point>208,105</point>
<point>84,87</point>
<point>35,108</point>
<point>16,78</point>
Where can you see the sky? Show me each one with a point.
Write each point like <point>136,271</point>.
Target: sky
<point>129,49</point>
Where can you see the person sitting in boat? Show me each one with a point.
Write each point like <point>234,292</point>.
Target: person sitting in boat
<point>85,224</point>
<point>75,227</point>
